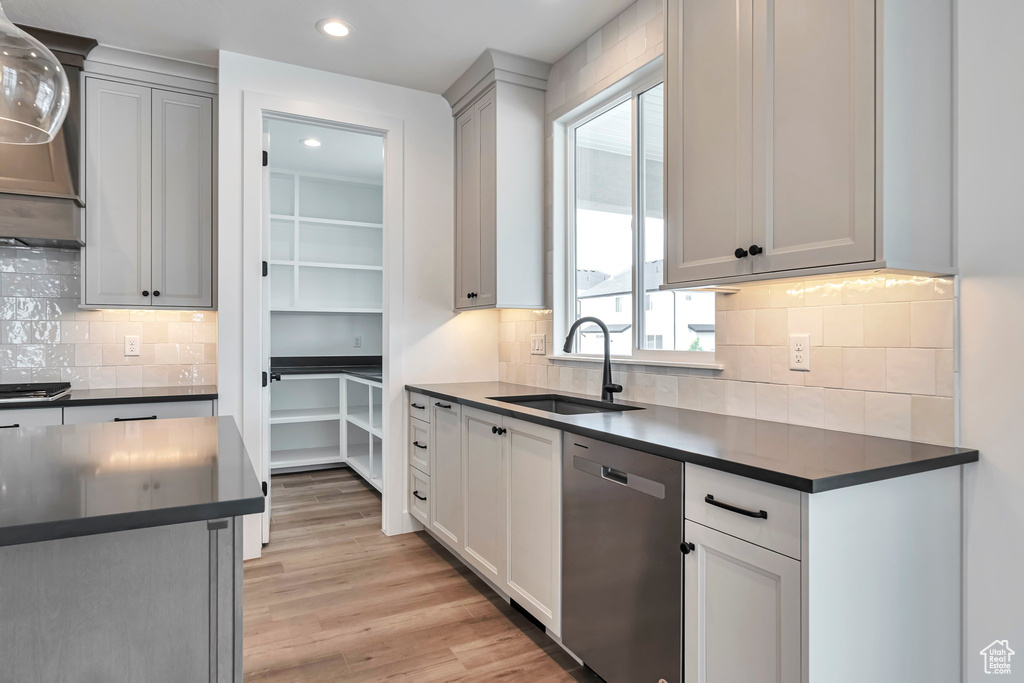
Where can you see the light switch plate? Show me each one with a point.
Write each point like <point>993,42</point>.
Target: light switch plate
<point>800,352</point>
<point>131,345</point>
<point>537,345</point>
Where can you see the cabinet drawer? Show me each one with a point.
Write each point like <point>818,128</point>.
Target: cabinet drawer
<point>761,513</point>
<point>419,406</point>
<point>137,411</point>
<point>419,496</point>
<point>419,445</point>
<point>30,417</point>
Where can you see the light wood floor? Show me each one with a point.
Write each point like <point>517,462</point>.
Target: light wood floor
<point>334,599</point>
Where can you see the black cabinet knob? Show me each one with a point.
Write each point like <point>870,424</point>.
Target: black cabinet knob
<point>740,252</point>
<point>145,292</point>
<point>686,547</point>
<point>471,295</point>
<point>494,430</point>
<point>156,292</point>
<point>755,250</point>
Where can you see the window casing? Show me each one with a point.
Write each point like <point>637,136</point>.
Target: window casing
<point>606,222</point>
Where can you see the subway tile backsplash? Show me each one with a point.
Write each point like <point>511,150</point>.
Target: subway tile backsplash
<point>46,337</point>
<point>882,359</point>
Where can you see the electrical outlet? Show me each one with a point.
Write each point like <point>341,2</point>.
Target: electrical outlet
<point>131,345</point>
<point>537,345</point>
<point>358,342</point>
<point>800,352</point>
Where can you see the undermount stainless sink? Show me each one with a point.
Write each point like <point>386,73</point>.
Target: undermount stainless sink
<point>564,405</point>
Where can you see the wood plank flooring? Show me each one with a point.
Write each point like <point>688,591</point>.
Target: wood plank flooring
<point>334,599</point>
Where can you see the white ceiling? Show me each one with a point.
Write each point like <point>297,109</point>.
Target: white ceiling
<point>341,152</point>
<point>424,44</point>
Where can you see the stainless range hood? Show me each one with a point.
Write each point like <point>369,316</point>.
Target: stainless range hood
<point>40,198</point>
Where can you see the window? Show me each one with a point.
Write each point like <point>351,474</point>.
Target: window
<point>615,244</point>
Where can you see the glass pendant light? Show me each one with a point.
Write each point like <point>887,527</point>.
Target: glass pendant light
<point>34,91</point>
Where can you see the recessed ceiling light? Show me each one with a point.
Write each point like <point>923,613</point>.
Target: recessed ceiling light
<point>311,142</point>
<point>336,28</point>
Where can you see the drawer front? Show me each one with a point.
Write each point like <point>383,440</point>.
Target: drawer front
<point>419,445</point>
<point>137,411</point>
<point>761,513</point>
<point>419,496</point>
<point>419,406</point>
<point>30,417</point>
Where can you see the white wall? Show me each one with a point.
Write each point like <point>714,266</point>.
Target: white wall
<point>438,345</point>
<point>991,229</point>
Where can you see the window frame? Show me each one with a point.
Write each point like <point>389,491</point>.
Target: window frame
<point>629,89</point>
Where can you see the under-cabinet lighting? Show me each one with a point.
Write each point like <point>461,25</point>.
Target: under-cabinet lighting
<point>311,142</point>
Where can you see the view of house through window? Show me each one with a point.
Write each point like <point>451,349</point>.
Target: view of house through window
<point>610,155</point>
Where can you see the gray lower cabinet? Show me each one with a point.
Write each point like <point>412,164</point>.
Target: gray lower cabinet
<point>137,411</point>
<point>162,604</point>
<point>149,197</point>
<point>741,611</point>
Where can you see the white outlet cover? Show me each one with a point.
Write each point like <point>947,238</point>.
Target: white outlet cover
<point>131,345</point>
<point>358,342</point>
<point>800,352</point>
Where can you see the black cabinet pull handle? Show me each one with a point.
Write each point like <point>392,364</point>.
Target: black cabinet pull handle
<point>417,406</point>
<point>443,405</point>
<point>156,292</point>
<point>417,495</point>
<point>417,444</point>
<point>10,426</point>
<point>740,252</point>
<point>687,548</point>
<point>133,419</point>
<point>755,250</point>
<point>145,292</point>
<point>710,500</point>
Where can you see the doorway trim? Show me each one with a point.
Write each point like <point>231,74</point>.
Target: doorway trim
<point>394,519</point>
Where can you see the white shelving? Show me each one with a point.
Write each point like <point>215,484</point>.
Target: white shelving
<point>324,420</point>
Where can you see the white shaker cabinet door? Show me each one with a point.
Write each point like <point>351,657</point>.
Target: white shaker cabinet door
<point>814,133</point>
<point>535,519</point>
<point>467,209</point>
<point>446,472</point>
<point>483,462</point>
<point>741,611</point>
<point>182,200</point>
<point>708,126</point>
<point>118,194</point>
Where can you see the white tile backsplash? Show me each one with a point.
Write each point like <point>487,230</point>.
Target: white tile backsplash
<point>44,336</point>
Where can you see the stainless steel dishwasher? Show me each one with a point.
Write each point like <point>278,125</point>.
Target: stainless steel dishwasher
<point>621,565</point>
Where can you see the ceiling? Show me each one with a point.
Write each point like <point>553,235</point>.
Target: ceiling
<point>423,44</point>
<point>341,152</point>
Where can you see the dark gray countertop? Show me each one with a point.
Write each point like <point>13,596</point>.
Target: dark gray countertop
<point>77,480</point>
<point>93,397</point>
<point>802,458</point>
<point>366,367</point>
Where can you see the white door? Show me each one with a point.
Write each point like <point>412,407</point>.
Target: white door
<point>467,209</point>
<point>487,131</point>
<point>265,342</point>
<point>534,494</point>
<point>182,200</point>
<point>814,133</point>
<point>708,128</point>
<point>741,611</point>
<point>446,472</point>
<point>118,194</point>
<point>484,489</point>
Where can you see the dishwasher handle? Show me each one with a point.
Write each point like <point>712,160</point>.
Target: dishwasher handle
<point>614,475</point>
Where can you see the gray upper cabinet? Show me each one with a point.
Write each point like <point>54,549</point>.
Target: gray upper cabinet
<point>148,196</point>
<point>498,107</point>
<point>800,143</point>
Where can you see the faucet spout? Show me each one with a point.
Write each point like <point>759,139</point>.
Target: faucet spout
<point>608,388</point>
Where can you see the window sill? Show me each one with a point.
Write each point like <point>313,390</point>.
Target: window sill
<point>577,358</point>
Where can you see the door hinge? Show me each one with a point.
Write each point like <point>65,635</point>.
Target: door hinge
<point>264,488</point>
<point>266,269</point>
<point>265,379</point>
<point>266,158</point>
